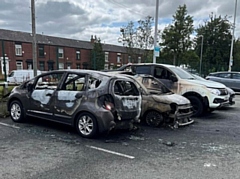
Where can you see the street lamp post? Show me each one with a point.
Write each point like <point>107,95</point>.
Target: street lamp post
<point>200,68</point>
<point>155,33</point>
<point>233,29</point>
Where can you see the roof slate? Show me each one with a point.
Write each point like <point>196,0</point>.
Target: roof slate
<point>19,36</point>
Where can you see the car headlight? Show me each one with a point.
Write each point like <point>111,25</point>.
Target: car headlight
<point>214,91</point>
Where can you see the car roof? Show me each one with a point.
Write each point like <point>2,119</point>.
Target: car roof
<point>219,72</point>
<point>92,72</point>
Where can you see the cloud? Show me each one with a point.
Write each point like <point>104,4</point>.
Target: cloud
<point>79,19</point>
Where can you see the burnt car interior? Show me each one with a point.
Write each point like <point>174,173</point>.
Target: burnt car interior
<point>125,88</point>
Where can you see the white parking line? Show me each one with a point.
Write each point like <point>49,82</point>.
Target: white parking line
<point>8,125</point>
<point>111,152</point>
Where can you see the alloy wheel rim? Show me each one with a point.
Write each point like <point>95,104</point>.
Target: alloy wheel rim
<point>153,118</point>
<point>15,111</point>
<point>85,125</point>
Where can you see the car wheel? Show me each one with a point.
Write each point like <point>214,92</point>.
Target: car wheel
<point>197,105</point>
<point>86,125</point>
<point>16,111</point>
<point>154,118</point>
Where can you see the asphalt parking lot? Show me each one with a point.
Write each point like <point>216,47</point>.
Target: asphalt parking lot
<point>209,148</point>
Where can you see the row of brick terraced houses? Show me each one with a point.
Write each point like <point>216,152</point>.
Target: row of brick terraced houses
<point>67,53</point>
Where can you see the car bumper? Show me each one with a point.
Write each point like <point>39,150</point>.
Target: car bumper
<point>182,116</point>
<point>219,102</point>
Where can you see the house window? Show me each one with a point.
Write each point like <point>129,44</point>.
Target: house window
<point>106,56</point>
<point>60,53</point>
<point>106,67</point>
<point>78,55</point>
<point>118,57</point>
<point>139,59</point>
<point>61,66</point>
<point>42,66</point>
<point>18,49</point>
<point>19,65</point>
<point>78,66</point>
<point>41,50</point>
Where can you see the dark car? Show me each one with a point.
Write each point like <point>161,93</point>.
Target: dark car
<point>159,104</point>
<point>230,79</point>
<point>89,100</point>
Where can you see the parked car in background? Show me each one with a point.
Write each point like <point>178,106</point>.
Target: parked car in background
<point>91,101</point>
<point>160,105</point>
<point>230,79</point>
<point>204,95</point>
<point>19,76</point>
<point>230,91</point>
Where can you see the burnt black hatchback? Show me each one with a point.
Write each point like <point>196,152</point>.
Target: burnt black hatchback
<point>91,101</point>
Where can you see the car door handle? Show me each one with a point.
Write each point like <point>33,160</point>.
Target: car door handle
<point>78,95</point>
<point>48,94</point>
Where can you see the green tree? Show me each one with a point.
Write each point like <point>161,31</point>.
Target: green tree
<point>138,40</point>
<point>176,38</point>
<point>236,56</point>
<point>97,55</point>
<point>217,36</point>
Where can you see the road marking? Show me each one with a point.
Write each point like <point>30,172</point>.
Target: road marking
<point>111,152</point>
<point>8,125</point>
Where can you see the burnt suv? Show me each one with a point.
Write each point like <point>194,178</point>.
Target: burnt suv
<point>91,101</point>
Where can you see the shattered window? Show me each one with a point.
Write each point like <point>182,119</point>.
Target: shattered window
<point>125,88</point>
<point>49,81</point>
<point>154,86</point>
<point>94,83</point>
<point>74,82</point>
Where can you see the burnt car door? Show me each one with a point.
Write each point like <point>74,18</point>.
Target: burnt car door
<point>69,96</point>
<point>127,98</point>
<point>42,94</point>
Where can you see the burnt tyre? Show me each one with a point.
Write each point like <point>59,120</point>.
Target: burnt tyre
<point>86,125</point>
<point>197,106</point>
<point>16,111</point>
<point>154,118</point>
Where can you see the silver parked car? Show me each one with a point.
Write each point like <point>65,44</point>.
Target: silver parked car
<point>229,79</point>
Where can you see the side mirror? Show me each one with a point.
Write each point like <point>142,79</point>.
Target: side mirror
<point>173,78</point>
<point>30,87</point>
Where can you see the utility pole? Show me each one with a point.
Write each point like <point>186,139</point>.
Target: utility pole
<point>155,34</point>
<point>34,44</point>
<point>233,29</point>
<point>200,68</point>
<point>4,62</point>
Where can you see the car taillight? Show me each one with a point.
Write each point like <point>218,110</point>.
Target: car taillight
<point>108,105</point>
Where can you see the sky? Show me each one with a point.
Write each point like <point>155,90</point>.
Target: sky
<point>79,19</point>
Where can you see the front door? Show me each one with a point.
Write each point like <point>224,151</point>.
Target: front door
<point>42,95</point>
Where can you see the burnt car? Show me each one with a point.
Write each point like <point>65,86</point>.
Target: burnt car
<point>159,104</point>
<point>90,101</point>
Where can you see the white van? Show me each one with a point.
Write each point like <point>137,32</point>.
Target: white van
<point>18,76</point>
